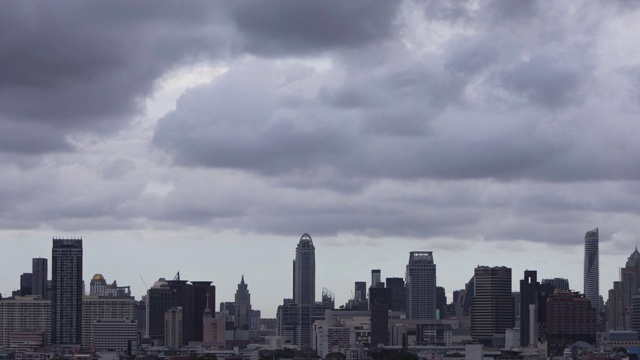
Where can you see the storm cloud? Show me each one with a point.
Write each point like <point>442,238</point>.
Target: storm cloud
<point>449,122</point>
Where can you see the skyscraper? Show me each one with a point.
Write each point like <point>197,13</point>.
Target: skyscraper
<point>492,305</point>
<point>26,284</point>
<point>592,269</point>
<point>39,269</point>
<point>66,271</point>
<point>379,305</point>
<point>304,294</point>
<point>421,285</point>
<point>557,283</point>
<point>398,299</point>
<point>376,278</point>
<point>243,306</point>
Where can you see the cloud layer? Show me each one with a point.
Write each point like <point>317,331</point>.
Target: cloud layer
<point>461,120</point>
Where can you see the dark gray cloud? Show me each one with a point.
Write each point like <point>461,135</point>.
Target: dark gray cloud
<point>277,28</point>
<point>385,119</point>
<point>75,66</point>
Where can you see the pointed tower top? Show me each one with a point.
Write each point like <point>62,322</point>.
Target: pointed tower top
<point>242,281</point>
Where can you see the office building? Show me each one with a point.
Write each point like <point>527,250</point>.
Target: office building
<point>305,287</point>
<point>203,292</point>
<point>66,265</point>
<point>633,261</point>
<point>557,283</point>
<point>96,308</point>
<point>27,313</point>
<point>592,269</point>
<point>570,318</point>
<point>421,285</point>
<point>360,291</point>
<point>173,327</point>
<point>114,334</point>
<point>26,284</point>
<point>619,303</point>
<point>159,299</point>
<point>635,313</point>
<point>40,271</point>
<point>441,303</point>
<point>376,278</point>
<point>492,306</point>
<point>379,305</point>
<point>398,298</point>
<point>243,306</point>
<point>528,307</point>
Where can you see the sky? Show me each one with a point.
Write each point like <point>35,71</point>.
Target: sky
<point>205,137</point>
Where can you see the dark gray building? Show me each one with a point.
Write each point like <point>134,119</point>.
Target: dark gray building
<point>26,284</point>
<point>379,305</point>
<point>66,304</point>
<point>398,298</point>
<point>492,305</point>
<point>40,271</point>
<point>557,283</point>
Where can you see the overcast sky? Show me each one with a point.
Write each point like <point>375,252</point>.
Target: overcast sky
<point>207,137</point>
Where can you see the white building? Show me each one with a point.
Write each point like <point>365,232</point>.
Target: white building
<point>115,334</point>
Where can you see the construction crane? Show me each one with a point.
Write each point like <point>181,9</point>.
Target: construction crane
<point>145,284</point>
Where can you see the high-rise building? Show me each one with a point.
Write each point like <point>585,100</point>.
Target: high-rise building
<point>39,269</point>
<point>441,303</point>
<point>619,303</point>
<point>26,284</point>
<point>421,285</point>
<point>528,297</point>
<point>634,262</point>
<point>66,265</point>
<point>203,293</point>
<point>360,291</point>
<point>492,305</point>
<point>305,287</point>
<point>570,318</point>
<point>379,305</point>
<point>592,269</point>
<point>398,298</point>
<point>557,283</point>
<point>173,327</point>
<point>243,306</point>
<point>376,277</point>
<point>160,298</point>
<point>533,309</point>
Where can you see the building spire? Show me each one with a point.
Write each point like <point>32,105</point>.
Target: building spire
<point>207,294</point>
<point>242,281</point>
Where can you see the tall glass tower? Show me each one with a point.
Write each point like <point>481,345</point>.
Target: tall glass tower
<point>304,287</point>
<point>421,285</point>
<point>592,269</point>
<point>66,271</point>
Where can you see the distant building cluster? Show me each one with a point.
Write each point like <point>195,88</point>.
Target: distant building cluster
<point>178,317</point>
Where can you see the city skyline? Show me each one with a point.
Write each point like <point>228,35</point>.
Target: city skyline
<point>343,286</point>
<point>206,137</point>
